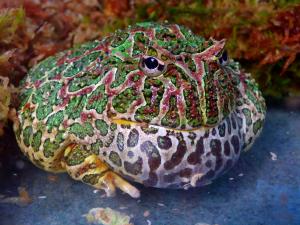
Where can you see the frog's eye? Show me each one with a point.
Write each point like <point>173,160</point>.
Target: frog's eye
<point>223,58</point>
<point>152,66</point>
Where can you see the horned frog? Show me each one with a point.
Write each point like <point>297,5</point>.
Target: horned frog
<point>154,103</point>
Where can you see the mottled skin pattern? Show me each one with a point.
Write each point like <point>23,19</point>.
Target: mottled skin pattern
<point>181,123</point>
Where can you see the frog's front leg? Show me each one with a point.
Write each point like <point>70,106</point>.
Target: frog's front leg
<point>83,165</point>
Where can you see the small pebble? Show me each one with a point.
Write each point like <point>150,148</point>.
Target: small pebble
<point>146,213</point>
<point>231,178</point>
<point>42,197</point>
<point>241,174</point>
<point>273,156</point>
<point>95,191</point>
<point>161,204</point>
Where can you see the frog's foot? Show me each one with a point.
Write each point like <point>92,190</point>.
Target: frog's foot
<point>82,164</point>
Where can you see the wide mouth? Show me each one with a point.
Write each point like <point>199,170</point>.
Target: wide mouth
<point>147,125</point>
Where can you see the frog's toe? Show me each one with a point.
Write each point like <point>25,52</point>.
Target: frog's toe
<point>83,165</point>
<point>122,184</point>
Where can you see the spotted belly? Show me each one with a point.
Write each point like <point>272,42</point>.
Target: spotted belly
<point>161,157</point>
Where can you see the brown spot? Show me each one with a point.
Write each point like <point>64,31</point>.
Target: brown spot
<point>133,138</point>
<point>153,155</point>
<point>134,168</point>
<point>195,157</point>
<point>226,148</point>
<point>206,134</point>
<point>235,143</point>
<point>169,178</point>
<point>151,181</point>
<point>164,142</point>
<point>177,156</point>
<point>213,132</point>
<point>228,125</point>
<point>221,129</point>
<point>233,122</point>
<point>208,163</point>
<point>216,150</point>
<point>215,146</point>
<point>187,172</point>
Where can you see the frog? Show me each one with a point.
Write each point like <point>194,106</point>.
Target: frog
<point>153,104</point>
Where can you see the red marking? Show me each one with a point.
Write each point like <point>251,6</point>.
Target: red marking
<point>211,51</point>
<point>62,60</point>
<point>176,31</point>
<point>37,83</point>
<point>65,124</point>
<point>95,98</point>
<point>57,77</point>
<point>154,94</point>
<point>86,116</point>
<point>27,106</point>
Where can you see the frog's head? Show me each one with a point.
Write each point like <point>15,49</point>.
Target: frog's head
<point>171,77</point>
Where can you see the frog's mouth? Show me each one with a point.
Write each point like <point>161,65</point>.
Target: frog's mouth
<point>146,125</point>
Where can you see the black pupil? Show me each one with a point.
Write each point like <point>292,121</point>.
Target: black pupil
<point>151,63</point>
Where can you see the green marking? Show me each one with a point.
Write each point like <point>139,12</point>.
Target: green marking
<point>41,68</point>
<point>211,97</point>
<point>102,126</point>
<point>122,102</point>
<point>75,106</point>
<point>119,38</point>
<point>98,99</point>
<point>247,114</point>
<point>50,148</point>
<point>81,49</point>
<point>36,140</point>
<point>95,147</point>
<point>91,178</point>
<point>171,119</point>
<point>24,96</point>
<point>81,64</point>
<point>77,156</point>
<point>84,80</point>
<point>55,120</point>
<point>113,126</point>
<point>152,52</point>
<point>192,111</point>
<point>120,75</point>
<point>83,130</point>
<point>27,135</point>
<point>140,43</point>
<point>115,158</point>
<point>46,98</point>
<point>59,138</point>
<point>190,62</point>
<point>257,126</point>
<point>151,109</point>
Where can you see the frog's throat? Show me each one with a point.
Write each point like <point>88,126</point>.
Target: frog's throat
<point>134,123</point>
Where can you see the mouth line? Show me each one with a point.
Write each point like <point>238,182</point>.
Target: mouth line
<point>146,125</point>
